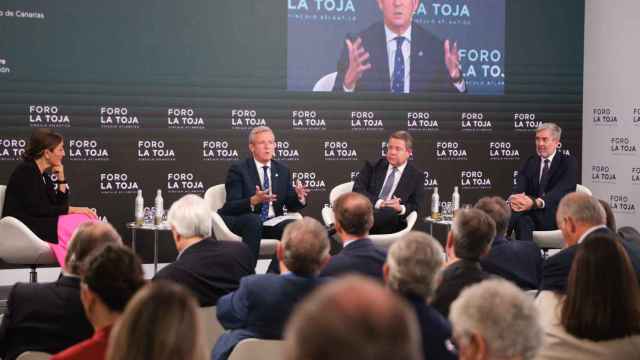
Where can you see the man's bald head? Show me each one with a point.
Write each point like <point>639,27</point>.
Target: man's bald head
<point>582,208</point>
<point>354,213</point>
<point>87,238</point>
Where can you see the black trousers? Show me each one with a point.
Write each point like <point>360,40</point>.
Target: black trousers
<point>387,221</point>
<point>522,224</point>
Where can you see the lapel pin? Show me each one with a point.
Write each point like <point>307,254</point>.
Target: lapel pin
<point>420,53</point>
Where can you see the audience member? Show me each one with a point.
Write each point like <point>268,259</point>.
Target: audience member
<point>112,277</point>
<point>209,268</point>
<point>599,318</point>
<point>579,216</point>
<point>353,318</point>
<point>412,264</point>
<point>49,317</point>
<point>469,239</point>
<point>353,213</point>
<point>609,216</point>
<point>630,234</point>
<point>495,320</point>
<point>516,261</point>
<point>160,323</point>
<point>262,304</point>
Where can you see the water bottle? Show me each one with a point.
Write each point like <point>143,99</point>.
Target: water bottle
<point>139,209</point>
<point>435,204</point>
<point>159,204</point>
<point>455,199</point>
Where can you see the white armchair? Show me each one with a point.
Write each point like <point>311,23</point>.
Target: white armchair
<point>382,240</point>
<point>216,197</point>
<point>20,246</point>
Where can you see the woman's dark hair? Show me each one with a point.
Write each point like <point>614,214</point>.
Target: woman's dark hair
<point>611,218</point>
<point>603,298</point>
<point>114,274</point>
<point>41,140</point>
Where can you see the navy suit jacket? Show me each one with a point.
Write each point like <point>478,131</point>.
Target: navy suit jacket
<point>360,256</point>
<point>435,329</point>
<point>555,271</point>
<point>428,71</point>
<point>210,269</point>
<point>46,317</point>
<point>410,188</point>
<point>455,278</point>
<point>562,177</point>
<point>259,308</point>
<point>241,183</point>
<point>516,261</point>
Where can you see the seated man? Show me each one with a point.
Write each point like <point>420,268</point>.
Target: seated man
<point>542,181</point>
<point>410,270</point>
<point>354,216</point>
<point>495,320</point>
<point>579,216</point>
<point>469,239</point>
<point>49,317</point>
<point>353,318</point>
<point>395,187</point>
<point>517,261</point>
<point>262,304</point>
<point>257,189</point>
<point>209,268</point>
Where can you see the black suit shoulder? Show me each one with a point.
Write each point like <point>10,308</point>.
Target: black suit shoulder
<point>455,278</point>
<point>361,257</point>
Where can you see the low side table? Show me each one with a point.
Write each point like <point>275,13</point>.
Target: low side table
<point>164,226</point>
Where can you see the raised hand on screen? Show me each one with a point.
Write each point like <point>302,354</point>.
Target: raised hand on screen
<point>452,60</point>
<point>358,64</point>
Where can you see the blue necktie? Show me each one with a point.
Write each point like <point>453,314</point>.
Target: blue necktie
<point>397,84</point>
<point>264,209</point>
<point>388,184</point>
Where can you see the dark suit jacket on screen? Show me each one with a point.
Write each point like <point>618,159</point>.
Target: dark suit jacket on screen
<point>210,269</point>
<point>360,256</point>
<point>44,317</point>
<point>428,71</point>
<point>31,198</point>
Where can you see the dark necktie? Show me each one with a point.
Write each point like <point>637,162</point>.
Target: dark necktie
<point>543,177</point>
<point>264,209</point>
<point>397,84</point>
<point>388,184</point>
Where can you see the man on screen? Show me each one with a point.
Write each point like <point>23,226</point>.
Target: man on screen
<point>257,189</point>
<point>394,187</point>
<point>542,181</point>
<point>399,56</point>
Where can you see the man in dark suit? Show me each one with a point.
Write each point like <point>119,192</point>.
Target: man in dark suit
<point>257,189</point>
<point>209,268</point>
<point>579,216</point>
<point>517,261</point>
<point>262,304</point>
<point>394,187</point>
<point>399,56</point>
<point>410,270</point>
<point>542,181</point>
<point>49,317</point>
<point>469,239</point>
<point>354,217</point>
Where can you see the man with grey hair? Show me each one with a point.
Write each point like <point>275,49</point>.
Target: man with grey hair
<point>579,216</point>
<point>49,317</point>
<point>209,268</point>
<point>469,239</point>
<point>495,320</point>
<point>542,181</point>
<point>262,304</point>
<point>412,264</point>
<point>258,188</point>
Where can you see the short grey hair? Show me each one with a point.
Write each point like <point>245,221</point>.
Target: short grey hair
<point>258,130</point>
<point>500,313</point>
<point>583,208</point>
<point>190,216</point>
<point>413,262</point>
<point>473,231</point>
<point>306,245</point>
<point>555,130</point>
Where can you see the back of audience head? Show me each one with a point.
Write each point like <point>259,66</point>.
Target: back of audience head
<point>88,237</point>
<point>471,235</point>
<point>498,209</point>
<point>577,212</point>
<point>603,298</point>
<point>190,217</point>
<point>353,214</point>
<point>112,277</point>
<point>412,264</point>
<point>159,323</point>
<point>304,248</point>
<point>353,318</point>
<point>494,319</point>
<point>630,234</point>
<point>610,217</point>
